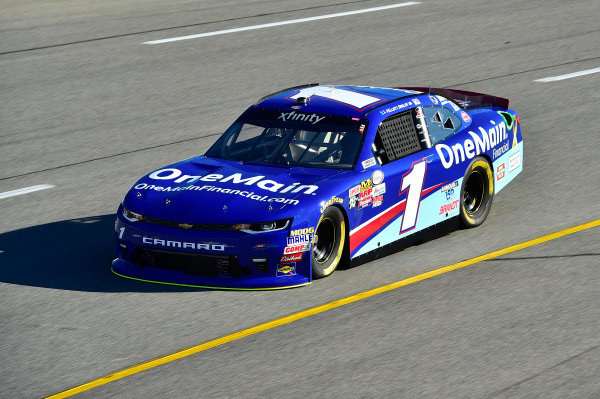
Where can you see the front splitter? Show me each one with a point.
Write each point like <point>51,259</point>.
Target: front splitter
<point>161,276</point>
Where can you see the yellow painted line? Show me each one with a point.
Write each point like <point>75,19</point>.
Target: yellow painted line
<point>319,309</point>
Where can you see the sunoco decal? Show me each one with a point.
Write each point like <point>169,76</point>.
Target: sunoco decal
<point>288,269</point>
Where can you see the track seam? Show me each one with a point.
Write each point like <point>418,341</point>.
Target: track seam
<point>593,348</point>
<point>315,310</point>
<point>176,27</point>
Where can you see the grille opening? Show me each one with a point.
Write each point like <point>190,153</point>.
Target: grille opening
<point>261,264</point>
<point>189,263</point>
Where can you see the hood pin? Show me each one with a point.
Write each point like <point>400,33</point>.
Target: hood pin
<point>168,201</point>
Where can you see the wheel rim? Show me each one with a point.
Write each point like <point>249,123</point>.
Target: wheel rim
<point>324,241</point>
<point>474,192</point>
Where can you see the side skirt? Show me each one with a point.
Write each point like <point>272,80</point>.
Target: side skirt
<point>430,233</point>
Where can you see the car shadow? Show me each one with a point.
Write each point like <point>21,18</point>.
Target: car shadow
<point>72,255</point>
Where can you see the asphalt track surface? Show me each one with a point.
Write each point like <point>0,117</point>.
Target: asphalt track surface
<point>88,108</point>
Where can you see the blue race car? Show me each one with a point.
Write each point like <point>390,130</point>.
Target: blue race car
<point>315,177</point>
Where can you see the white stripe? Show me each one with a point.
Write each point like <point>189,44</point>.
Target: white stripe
<point>292,21</point>
<point>25,190</point>
<point>569,75</point>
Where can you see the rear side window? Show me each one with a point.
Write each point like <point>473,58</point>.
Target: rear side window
<point>396,138</point>
<point>441,123</point>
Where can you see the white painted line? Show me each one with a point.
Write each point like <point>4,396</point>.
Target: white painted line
<point>25,190</point>
<point>292,21</point>
<point>569,75</point>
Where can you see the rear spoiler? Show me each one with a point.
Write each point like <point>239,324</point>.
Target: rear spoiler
<point>466,99</point>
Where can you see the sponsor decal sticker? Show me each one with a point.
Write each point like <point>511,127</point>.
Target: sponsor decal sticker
<point>354,190</point>
<point>299,239</point>
<point>296,248</point>
<point>500,171</point>
<point>416,101</point>
<point>365,194</point>
<point>377,201</point>
<point>449,189</point>
<point>465,116</point>
<point>291,258</point>
<point>378,189</point>
<point>377,177</point>
<point>450,103</point>
<point>361,129</point>
<point>367,163</point>
<point>470,148</point>
<point>448,207</point>
<point>449,186</point>
<point>364,202</point>
<point>287,269</point>
<point>308,230</point>
<point>333,200</point>
<point>366,184</point>
<point>514,161</point>
<point>353,202</point>
<point>433,99</point>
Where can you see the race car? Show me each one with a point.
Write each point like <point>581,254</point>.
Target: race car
<point>316,177</point>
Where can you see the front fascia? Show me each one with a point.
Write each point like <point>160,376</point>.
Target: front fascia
<point>135,239</point>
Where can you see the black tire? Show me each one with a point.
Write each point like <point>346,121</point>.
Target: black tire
<point>328,242</point>
<point>476,193</point>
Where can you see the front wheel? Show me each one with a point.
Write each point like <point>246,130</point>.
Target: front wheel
<point>328,243</point>
<point>476,193</point>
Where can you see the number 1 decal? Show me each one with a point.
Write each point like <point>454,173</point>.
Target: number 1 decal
<point>413,181</point>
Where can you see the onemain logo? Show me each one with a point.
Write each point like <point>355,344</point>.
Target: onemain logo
<point>236,178</point>
<point>471,148</point>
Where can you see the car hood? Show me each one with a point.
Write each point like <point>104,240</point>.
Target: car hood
<point>208,190</point>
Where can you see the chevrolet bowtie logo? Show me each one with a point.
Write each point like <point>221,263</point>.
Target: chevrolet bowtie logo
<point>185,225</point>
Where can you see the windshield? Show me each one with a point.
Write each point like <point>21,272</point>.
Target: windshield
<point>292,138</point>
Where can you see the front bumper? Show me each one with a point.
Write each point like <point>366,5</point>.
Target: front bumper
<point>206,259</point>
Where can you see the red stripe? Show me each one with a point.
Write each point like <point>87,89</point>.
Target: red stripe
<point>361,235</point>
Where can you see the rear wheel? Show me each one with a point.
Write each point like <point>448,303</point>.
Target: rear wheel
<point>476,193</point>
<point>328,243</point>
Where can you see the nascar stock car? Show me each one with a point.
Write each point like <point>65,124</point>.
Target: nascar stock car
<point>314,177</point>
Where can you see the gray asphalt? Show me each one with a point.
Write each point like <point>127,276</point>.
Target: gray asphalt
<point>88,108</point>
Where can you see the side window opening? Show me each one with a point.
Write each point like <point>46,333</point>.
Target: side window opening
<point>396,138</point>
<point>441,123</point>
<point>449,124</point>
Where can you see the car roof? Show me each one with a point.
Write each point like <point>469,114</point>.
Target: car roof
<point>355,101</point>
